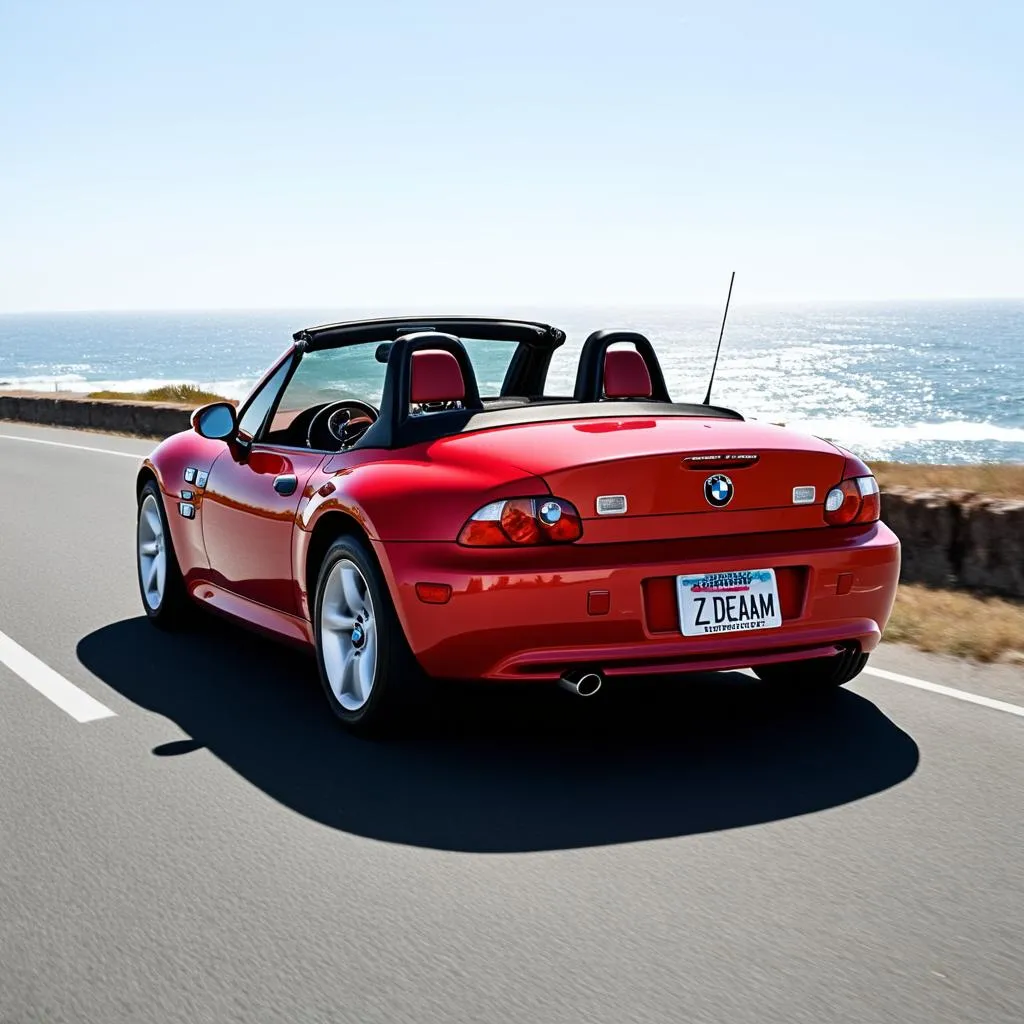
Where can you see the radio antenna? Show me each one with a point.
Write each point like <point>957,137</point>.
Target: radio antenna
<point>707,397</point>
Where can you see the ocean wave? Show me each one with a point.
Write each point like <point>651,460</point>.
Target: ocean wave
<point>855,431</point>
<point>44,382</point>
<point>239,388</point>
<point>76,384</point>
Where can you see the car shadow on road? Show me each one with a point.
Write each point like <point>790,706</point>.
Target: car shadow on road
<point>507,769</point>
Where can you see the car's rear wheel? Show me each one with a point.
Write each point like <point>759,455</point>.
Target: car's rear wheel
<point>164,597</point>
<point>814,674</point>
<point>366,668</point>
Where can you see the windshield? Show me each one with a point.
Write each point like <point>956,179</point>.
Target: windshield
<point>329,375</point>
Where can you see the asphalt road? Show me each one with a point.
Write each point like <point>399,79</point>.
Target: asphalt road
<point>216,849</point>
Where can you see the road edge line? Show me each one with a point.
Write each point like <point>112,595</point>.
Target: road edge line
<point>52,685</point>
<point>947,691</point>
<point>76,447</point>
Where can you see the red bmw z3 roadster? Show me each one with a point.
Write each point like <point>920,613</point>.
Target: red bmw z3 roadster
<point>464,527</point>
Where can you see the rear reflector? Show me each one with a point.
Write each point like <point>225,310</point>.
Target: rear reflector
<point>433,593</point>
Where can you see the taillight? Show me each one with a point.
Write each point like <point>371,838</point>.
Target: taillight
<point>522,522</point>
<point>856,500</point>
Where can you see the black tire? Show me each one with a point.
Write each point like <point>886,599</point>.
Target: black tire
<point>398,683</point>
<point>817,675</point>
<point>174,608</point>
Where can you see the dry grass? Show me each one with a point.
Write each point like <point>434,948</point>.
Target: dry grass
<point>1001,480</point>
<point>188,394</point>
<point>957,622</point>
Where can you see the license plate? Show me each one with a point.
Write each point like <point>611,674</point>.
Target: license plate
<point>728,602</point>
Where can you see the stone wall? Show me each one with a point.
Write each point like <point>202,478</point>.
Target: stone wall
<point>958,539</point>
<point>146,419</point>
<point>950,538</point>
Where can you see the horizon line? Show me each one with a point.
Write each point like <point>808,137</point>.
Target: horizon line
<point>413,309</point>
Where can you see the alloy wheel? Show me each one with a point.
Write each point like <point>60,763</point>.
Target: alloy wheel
<point>348,635</point>
<point>152,552</point>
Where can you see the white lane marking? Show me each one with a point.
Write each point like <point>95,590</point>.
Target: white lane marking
<point>78,447</point>
<point>68,697</point>
<point>947,691</point>
<point>923,684</point>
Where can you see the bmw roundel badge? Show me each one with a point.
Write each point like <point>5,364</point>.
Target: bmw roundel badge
<point>718,490</point>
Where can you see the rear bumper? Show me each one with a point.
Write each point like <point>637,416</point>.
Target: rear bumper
<point>530,614</point>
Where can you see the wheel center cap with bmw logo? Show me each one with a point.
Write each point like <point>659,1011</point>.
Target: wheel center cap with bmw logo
<point>718,490</point>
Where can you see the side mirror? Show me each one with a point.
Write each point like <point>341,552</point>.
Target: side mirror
<point>216,421</point>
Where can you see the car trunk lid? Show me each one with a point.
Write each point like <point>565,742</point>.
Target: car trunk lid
<point>675,476</point>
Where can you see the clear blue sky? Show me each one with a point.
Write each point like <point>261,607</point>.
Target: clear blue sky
<point>213,155</point>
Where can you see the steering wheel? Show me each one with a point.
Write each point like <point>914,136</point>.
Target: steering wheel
<point>338,425</point>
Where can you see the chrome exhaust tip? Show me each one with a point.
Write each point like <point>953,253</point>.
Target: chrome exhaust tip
<point>583,684</point>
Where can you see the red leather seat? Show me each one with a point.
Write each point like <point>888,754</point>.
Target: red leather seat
<point>436,377</point>
<point>626,374</point>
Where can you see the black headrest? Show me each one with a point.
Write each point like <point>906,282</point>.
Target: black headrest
<point>394,404</point>
<point>590,372</point>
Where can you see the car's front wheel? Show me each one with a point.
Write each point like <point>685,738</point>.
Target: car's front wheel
<point>366,668</point>
<point>160,582</point>
<point>814,674</point>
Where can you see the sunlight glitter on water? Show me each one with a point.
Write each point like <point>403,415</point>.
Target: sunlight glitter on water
<point>913,381</point>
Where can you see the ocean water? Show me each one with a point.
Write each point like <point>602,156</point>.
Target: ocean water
<point>926,382</point>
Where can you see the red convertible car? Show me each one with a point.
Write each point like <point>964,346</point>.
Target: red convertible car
<point>466,525</point>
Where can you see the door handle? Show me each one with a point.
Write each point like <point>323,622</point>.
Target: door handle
<point>286,483</point>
